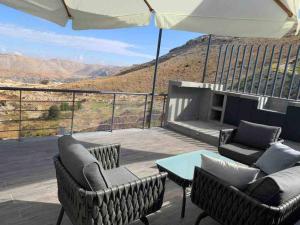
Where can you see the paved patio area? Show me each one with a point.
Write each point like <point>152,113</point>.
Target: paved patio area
<point>28,185</point>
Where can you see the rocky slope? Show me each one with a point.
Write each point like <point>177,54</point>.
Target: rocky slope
<point>182,63</point>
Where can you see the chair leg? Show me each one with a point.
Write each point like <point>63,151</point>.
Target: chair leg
<point>200,217</point>
<point>144,220</point>
<point>60,216</point>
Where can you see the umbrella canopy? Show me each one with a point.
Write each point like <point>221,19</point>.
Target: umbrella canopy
<point>87,14</point>
<point>240,18</point>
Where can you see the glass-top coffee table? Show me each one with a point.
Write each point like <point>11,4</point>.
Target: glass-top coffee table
<point>180,168</point>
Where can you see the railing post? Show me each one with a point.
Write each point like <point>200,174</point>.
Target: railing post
<point>145,109</point>
<point>254,69</point>
<point>113,113</point>
<point>73,110</point>
<point>276,73</point>
<point>293,73</point>
<point>163,111</point>
<point>206,59</point>
<point>285,71</point>
<point>217,69</point>
<point>20,115</point>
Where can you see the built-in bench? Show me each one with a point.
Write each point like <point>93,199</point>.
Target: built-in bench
<point>201,110</point>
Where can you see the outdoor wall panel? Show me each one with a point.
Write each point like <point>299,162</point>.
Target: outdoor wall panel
<point>292,124</point>
<point>232,109</point>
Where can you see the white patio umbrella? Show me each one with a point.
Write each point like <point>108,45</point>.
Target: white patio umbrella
<point>239,18</point>
<point>87,14</point>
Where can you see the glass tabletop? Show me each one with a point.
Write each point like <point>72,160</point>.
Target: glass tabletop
<point>183,164</point>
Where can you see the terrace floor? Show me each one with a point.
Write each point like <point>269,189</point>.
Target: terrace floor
<point>28,184</point>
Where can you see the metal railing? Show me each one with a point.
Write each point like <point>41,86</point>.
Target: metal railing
<point>259,69</point>
<point>42,112</point>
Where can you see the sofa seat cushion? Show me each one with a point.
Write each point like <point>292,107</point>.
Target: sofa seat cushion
<point>82,166</point>
<point>241,153</point>
<point>277,188</point>
<point>120,175</point>
<point>256,135</point>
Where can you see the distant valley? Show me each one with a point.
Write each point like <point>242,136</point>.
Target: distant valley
<point>25,69</point>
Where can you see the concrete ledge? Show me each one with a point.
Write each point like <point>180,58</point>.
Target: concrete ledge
<point>205,131</point>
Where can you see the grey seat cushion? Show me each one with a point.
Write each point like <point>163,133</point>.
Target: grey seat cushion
<point>241,153</point>
<point>120,175</point>
<point>278,157</point>
<point>277,188</point>
<point>256,135</point>
<point>81,165</point>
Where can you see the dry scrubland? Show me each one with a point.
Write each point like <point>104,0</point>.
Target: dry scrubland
<point>45,114</point>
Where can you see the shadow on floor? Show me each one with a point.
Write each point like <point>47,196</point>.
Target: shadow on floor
<point>129,155</point>
<point>31,213</point>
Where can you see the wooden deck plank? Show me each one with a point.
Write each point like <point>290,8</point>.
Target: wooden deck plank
<point>28,185</point>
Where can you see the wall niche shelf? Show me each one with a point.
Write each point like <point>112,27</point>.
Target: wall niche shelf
<point>217,107</point>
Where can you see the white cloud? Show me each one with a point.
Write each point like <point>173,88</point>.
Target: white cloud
<point>17,53</point>
<point>72,41</point>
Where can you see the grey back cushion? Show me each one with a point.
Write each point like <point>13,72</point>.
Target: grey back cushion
<point>256,135</point>
<point>277,188</point>
<point>277,157</point>
<point>82,166</point>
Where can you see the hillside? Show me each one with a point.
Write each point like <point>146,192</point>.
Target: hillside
<point>182,63</point>
<point>30,70</point>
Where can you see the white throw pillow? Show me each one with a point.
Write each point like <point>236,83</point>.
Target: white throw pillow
<point>234,174</point>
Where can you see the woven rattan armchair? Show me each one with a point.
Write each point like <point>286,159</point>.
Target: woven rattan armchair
<point>227,205</point>
<point>118,205</point>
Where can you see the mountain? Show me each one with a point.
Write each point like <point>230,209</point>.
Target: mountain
<point>185,62</point>
<point>28,69</point>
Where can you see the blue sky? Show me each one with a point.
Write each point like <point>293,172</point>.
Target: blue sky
<point>28,35</point>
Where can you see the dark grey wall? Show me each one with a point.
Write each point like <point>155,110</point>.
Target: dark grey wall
<point>247,109</point>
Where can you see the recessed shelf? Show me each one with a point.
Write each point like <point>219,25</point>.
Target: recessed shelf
<point>215,115</point>
<point>218,100</point>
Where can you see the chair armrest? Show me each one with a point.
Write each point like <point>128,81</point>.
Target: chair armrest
<point>226,136</point>
<point>228,205</point>
<point>130,201</point>
<point>107,155</point>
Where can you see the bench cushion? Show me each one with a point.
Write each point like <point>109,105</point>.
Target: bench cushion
<point>82,166</point>
<point>120,175</point>
<point>277,188</point>
<point>241,153</point>
<point>256,135</point>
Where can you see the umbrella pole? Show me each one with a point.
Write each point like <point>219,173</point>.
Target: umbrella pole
<point>155,75</point>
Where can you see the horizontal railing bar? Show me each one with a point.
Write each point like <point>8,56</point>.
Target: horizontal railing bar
<point>34,119</point>
<point>74,91</point>
<point>37,119</point>
<point>49,101</point>
<point>1,131</point>
<point>138,114</point>
<point>128,123</point>
<point>45,128</point>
